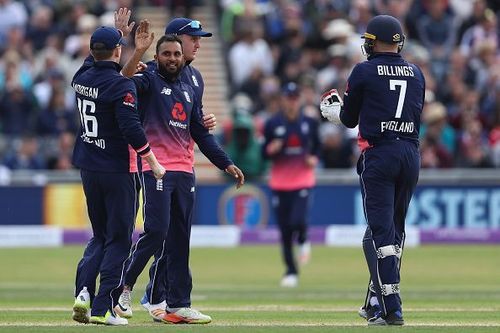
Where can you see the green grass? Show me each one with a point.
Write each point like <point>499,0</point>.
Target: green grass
<point>444,288</point>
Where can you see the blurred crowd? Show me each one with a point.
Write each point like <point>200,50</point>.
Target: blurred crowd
<point>316,43</point>
<point>267,44</point>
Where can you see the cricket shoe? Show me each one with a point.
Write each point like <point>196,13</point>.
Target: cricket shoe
<point>109,319</point>
<point>185,316</point>
<point>290,281</point>
<point>304,253</point>
<point>124,306</point>
<point>393,318</point>
<point>81,307</point>
<point>156,311</point>
<point>369,311</point>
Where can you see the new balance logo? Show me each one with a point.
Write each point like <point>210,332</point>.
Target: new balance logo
<point>187,97</point>
<point>166,91</point>
<point>159,187</point>
<point>192,189</point>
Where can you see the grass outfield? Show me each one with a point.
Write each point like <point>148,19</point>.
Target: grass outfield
<point>445,289</point>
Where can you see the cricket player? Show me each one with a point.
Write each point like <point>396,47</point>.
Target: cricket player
<point>292,144</point>
<point>158,289</point>
<point>172,134</point>
<point>106,152</point>
<point>385,97</point>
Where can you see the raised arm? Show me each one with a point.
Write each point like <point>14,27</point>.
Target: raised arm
<point>122,16</point>
<point>143,40</point>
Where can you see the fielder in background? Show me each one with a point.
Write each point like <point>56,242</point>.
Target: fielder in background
<point>292,143</point>
<point>173,134</point>
<point>109,126</point>
<point>385,97</point>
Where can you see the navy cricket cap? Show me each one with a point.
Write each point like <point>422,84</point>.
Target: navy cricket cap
<point>108,37</point>
<point>384,28</point>
<point>185,26</point>
<point>291,89</point>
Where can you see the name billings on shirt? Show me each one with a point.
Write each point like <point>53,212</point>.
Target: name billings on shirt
<point>86,91</point>
<point>177,124</point>
<point>397,126</point>
<point>390,70</point>
<point>101,143</point>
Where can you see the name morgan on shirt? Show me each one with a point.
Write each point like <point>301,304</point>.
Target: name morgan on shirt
<point>86,91</point>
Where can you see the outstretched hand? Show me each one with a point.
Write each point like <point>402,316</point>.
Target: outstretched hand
<point>122,16</point>
<point>237,173</point>
<point>143,36</point>
<point>209,121</point>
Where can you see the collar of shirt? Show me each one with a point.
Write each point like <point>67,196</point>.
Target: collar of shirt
<point>108,64</point>
<point>384,54</point>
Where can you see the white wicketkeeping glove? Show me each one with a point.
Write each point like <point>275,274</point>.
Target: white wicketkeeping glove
<point>330,106</point>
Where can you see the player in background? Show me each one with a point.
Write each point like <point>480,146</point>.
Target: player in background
<point>106,151</point>
<point>154,299</point>
<point>385,97</point>
<point>172,134</point>
<point>292,143</point>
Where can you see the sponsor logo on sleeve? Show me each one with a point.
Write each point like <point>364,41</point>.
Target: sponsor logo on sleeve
<point>129,100</point>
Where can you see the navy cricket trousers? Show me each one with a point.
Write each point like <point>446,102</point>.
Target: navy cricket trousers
<point>112,200</point>
<point>388,176</point>
<point>291,208</point>
<point>168,210</point>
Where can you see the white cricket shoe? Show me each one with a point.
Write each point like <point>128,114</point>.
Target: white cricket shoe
<point>109,319</point>
<point>290,281</point>
<point>185,316</point>
<point>81,307</point>
<point>124,306</point>
<point>157,311</point>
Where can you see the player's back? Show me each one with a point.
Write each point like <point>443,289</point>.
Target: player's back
<point>392,98</point>
<point>101,146</point>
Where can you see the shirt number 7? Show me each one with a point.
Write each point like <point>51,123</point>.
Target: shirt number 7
<point>402,94</point>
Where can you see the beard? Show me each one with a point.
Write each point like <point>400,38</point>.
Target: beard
<point>168,73</point>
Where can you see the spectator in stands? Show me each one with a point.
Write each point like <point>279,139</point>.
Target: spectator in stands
<point>437,32</point>
<point>244,148</point>
<point>12,14</point>
<point>17,111</point>
<point>474,148</point>
<point>437,138</point>
<point>483,64</point>
<point>25,156</point>
<point>474,17</point>
<point>53,80</point>
<point>485,29</point>
<point>254,51</point>
<point>436,127</point>
<point>14,71</point>
<point>40,27</point>
<point>62,159</point>
<point>56,118</point>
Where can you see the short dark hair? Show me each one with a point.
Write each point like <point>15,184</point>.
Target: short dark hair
<point>100,52</point>
<point>166,39</point>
